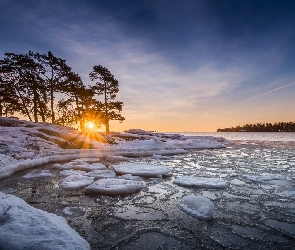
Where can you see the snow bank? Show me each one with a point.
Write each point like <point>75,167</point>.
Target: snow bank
<point>197,206</point>
<point>25,227</point>
<point>76,181</point>
<point>142,169</point>
<point>201,182</point>
<point>114,186</point>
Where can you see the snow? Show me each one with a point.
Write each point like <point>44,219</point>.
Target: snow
<point>201,182</point>
<point>142,169</point>
<point>25,227</point>
<point>38,174</point>
<point>27,144</point>
<point>73,182</point>
<point>197,206</point>
<point>98,174</point>
<point>113,186</point>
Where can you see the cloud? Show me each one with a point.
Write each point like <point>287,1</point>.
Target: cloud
<point>259,96</point>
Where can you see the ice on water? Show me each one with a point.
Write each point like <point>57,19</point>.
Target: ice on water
<point>197,206</point>
<point>113,186</point>
<point>142,169</point>
<point>204,182</point>
<point>98,174</point>
<point>130,177</point>
<point>73,182</point>
<point>25,227</point>
<point>38,174</point>
<point>79,165</point>
<point>68,172</point>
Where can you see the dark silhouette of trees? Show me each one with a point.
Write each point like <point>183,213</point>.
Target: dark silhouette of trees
<point>107,86</point>
<point>262,127</point>
<point>21,76</point>
<point>55,75</point>
<point>43,87</point>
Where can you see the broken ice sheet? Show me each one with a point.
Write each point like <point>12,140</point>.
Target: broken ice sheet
<point>197,206</point>
<point>38,174</point>
<point>114,186</point>
<point>73,182</point>
<point>142,169</point>
<point>205,182</point>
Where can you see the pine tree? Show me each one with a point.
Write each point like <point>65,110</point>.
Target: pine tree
<point>107,86</point>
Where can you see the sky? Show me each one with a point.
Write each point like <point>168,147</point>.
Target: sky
<point>191,65</point>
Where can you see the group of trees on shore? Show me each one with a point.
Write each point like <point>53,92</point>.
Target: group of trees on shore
<point>42,87</point>
<point>262,127</point>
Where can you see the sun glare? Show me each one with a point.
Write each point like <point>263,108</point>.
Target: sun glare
<point>90,125</point>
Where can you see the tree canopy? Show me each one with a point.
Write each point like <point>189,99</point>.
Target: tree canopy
<point>262,127</point>
<point>42,87</point>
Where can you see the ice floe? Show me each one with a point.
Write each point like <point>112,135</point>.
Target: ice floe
<point>76,181</point>
<point>88,160</point>
<point>117,158</point>
<point>197,206</point>
<point>262,178</point>
<point>38,174</point>
<point>68,172</point>
<point>130,177</point>
<point>25,227</point>
<point>78,165</point>
<point>202,182</point>
<point>113,186</point>
<point>99,174</point>
<point>142,169</point>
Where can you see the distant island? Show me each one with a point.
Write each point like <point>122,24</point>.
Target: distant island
<point>262,127</point>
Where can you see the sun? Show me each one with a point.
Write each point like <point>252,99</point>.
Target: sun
<point>90,125</point>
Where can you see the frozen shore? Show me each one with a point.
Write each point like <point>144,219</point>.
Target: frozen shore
<point>26,145</point>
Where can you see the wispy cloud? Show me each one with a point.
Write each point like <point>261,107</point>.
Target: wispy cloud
<point>259,96</point>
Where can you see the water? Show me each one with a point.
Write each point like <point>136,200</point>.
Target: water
<point>248,136</point>
<point>248,214</point>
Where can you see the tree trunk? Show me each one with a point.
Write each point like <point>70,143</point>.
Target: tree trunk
<point>51,104</point>
<point>35,103</point>
<point>1,108</point>
<point>106,109</point>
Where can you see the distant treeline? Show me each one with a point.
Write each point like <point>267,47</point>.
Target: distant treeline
<point>262,127</point>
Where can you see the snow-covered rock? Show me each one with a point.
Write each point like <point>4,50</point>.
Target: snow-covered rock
<point>99,174</point>
<point>38,174</point>
<point>204,182</point>
<point>25,227</point>
<point>142,169</point>
<point>197,206</point>
<point>113,186</point>
<point>76,181</point>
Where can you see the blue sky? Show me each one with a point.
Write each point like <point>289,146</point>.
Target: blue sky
<point>182,65</point>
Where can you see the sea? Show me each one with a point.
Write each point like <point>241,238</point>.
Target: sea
<point>247,136</point>
<point>255,211</point>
